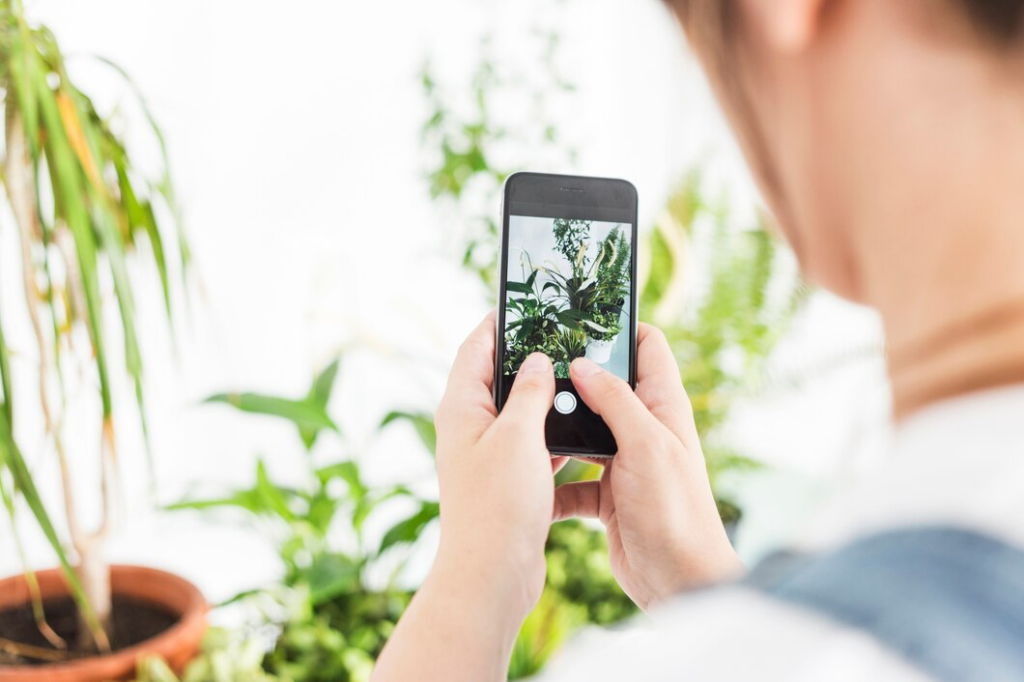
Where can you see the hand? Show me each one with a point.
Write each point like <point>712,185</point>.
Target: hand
<point>497,493</point>
<point>495,472</point>
<point>654,498</point>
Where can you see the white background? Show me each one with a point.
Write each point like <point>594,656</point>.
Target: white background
<point>294,133</point>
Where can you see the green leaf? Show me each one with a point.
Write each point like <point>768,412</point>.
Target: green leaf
<point>409,530</point>
<point>272,497</point>
<point>7,404</point>
<point>264,498</point>
<point>69,195</point>
<point>11,459</point>
<point>331,574</point>
<point>249,500</point>
<point>22,65</point>
<point>324,383</point>
<point>519,287</point>
<point>320,394</point>
<point>302,413</point>
<point>165,186</point>
<point>347,471</point>
<point>422,422</point>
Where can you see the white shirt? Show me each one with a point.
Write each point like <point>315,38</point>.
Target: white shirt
<point>960,461</point>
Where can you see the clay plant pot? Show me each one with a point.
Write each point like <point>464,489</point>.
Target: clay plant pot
<point>177,645</point>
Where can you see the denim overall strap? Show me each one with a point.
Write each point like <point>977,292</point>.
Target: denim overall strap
<point>949,601</point>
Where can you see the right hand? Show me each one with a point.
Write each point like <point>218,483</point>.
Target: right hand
<point>654,498</point>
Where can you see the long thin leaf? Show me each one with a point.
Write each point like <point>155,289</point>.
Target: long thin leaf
<point>10,457</point>
<point>320,395</point>
<point>409,530</point>
<point>7,403</point>
<point>22,66</point>
<point>35,595</point>
<point>69,194</point>
<point>165,186</point>
<point>422,422</point>
<point>273,498</point>
<point>323,385</point>
<point>302,413</point>
<point>114,250</point>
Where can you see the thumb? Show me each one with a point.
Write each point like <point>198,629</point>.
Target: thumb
<point>610,397</point>
<point>533,391</point>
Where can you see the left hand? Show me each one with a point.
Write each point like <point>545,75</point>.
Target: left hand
<point>497,497</point>
<point>495,473</point>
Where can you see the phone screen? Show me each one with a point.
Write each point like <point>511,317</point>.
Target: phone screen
<point>568,293</point>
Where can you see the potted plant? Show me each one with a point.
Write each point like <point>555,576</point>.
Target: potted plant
<point>593,292</point>
<point>532,317</point>
<point>566,345</point>
<point>613,271</point>
<point>80,207</point>
<point>330,620</point>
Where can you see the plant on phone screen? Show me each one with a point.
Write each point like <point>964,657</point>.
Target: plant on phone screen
<point>572,237</point>
<point>612,284</point>
<point>532,317</point>
<point>566,346</point>
<point>591,295</point>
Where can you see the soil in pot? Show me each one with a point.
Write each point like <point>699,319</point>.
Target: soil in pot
<point>134,621</point>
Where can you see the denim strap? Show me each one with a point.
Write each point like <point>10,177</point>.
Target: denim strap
<point>950,601</point>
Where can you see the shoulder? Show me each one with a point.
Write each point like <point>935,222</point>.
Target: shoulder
<point>731,633</point>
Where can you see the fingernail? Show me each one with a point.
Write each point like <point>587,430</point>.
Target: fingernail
<point>585,367</point>
<point>536,362</point>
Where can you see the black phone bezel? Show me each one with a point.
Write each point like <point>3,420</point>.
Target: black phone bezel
<point>571,196</point>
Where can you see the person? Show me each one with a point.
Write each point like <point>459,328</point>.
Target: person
<point>888,141</point>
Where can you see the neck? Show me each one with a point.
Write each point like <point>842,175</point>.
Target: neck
<point>943,258</point>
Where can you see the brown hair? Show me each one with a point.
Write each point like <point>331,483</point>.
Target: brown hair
<point>1000,20</point>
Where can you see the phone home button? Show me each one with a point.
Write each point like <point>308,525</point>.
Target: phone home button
<point>565,402</point>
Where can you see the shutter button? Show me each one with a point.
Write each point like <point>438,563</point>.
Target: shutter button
<point>565,402</point>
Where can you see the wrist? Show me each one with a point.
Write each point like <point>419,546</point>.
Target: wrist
<point>689,571</point>
<point>499,590</point>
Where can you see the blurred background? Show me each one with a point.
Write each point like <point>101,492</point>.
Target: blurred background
<point>336,169</point>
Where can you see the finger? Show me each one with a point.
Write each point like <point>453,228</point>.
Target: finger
<point>611,397</point>
<point>581,499</point>
<point>659,386</point>
<point>467,398</point>
<point>473,368</point>
<point>532,394</point>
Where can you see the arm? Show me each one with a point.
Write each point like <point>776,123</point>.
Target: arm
<point>460,626</point>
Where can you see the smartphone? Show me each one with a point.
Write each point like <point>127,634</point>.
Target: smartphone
<point>567,289</point>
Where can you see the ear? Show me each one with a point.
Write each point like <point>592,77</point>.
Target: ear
<point>787,25</point>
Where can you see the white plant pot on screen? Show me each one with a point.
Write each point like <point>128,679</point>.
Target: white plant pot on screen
<point>600,351</point>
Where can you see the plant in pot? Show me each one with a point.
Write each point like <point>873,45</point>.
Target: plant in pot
<point>328,617</point>
<point>531,317</point>
<point>613,271</point>
<point>566,345</point>
<point>591,294</point>
<point>80,207</point>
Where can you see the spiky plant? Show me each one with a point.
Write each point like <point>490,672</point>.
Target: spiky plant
<point>80,207</point>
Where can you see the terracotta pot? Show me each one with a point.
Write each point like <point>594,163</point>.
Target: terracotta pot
<point>177,645</point>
